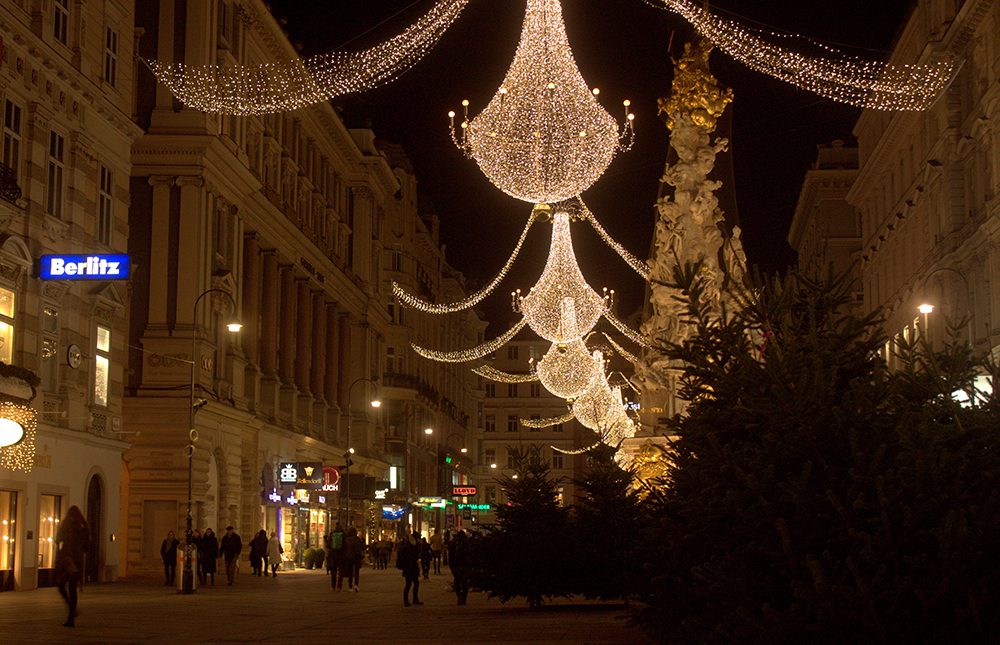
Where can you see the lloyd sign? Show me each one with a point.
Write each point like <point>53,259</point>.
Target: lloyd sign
<point>463,491</point>
<point>95,266</point>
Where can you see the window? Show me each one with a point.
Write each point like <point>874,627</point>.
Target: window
<point>111,56</point>
<point>50,348</point>
<point>557,460</point>
<point>489,456</point>
<point>102,364</point>
<point>491,389</point>
<point>12,136</point>
<point>536,390</point>
<point>511,460</point>
<point>104,204</point>
<point>60,20</point>
<point>491,423</point>
<point>8,531</point>
<point>512,390</point>
<point>511,423</point>
<point>557,427</point>
<point>49,512</point>
<point>491,495</point>
<point>55,194</point>
<point>397,261</point>
<point>6,325</point>
<point>512,352</point>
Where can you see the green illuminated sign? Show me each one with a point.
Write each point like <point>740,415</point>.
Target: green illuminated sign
<point>476,507</point>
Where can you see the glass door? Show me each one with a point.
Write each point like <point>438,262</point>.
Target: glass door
<point>8,533</point>
<point>49,514</point>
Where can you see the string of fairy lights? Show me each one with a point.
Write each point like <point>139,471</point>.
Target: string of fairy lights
<point>838,76</point>
<point>284,86</point>
<point>20,456</point>
<point>475,353</point>
<point>547,422</point>
<point>493,374</point>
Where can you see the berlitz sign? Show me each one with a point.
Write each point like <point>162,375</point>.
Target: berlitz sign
<point>95,266</point>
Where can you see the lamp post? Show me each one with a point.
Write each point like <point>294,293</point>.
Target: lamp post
<point>233,326</point>
<point>375,403</point>
<point>926,308</point>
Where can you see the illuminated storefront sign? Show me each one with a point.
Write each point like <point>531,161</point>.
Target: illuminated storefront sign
<point>302,474</point>
<point>475,507</point>
<point>96,266</point>
<point>393,512</point>
<point>460,491</point>
<point>381,493</point>
<point>331,479</point>
<point>433,502</point>
<point>274,496</point>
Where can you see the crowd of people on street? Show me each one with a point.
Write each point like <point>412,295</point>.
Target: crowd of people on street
<point>209,550</point>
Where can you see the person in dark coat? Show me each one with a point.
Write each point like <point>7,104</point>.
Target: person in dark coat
<point>196,541</point>
<point>258,552</point>
<point>168,551</point>
<point>425,557</point>
<point>460,561</point>
<point>350,560</point>
<point>72,541</point>
<point>408,561</point>
<point>335,555</point>
<point>208,554</point>
<point>229,548</point>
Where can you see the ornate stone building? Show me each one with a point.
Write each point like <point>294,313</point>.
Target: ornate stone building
<point>928,188</point>
<point>66,82</point>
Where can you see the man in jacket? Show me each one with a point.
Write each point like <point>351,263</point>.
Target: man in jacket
<point>408,561</point>
<point>350,561</point>
<point>230,548</point>
<point>336,554</point>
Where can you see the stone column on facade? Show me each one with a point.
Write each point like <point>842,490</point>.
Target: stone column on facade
<point>159,252</point>
<point>303,351</point>
<point>286,346</point>
<point>344,375</point>
<point>361,232</point>
<point>268,354</point>
<point>331,370</point>
<point>191,254</point>
<point>250,317</point>
<point>317,372</point>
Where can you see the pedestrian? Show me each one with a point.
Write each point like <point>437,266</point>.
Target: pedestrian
<point>384,550</point>
<point>447,539</point>
<point>336,551</point>
<point>208,555</point>
<point>408,561</point>
<point>230,548</point>
<point>326,552</point>
<point>168,551</point>
<point>425,557</point>
<point>196,542</point>
<point>460,561</point>
<point>72,543</point>
<point>437,546</point>
<point>350,560</point>
<point>258,552</point>
<point>274,551</point>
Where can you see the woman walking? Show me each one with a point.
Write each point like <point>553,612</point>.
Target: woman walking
<point>73,541</point>
<point>168,551</point>
<point>208,555</point>
<point>274,551</point>
<point>408,561</point>
<point>350,563</point>
<point>258,552</point>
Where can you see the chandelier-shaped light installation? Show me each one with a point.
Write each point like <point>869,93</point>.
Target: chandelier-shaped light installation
<point>543,138</point>
<point>835,75</point>
<point>281,87</point>
<point>561,307</point>
<point>567,370</point>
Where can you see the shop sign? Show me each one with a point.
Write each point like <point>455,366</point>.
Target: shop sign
<point>381,493</point>
<point>331,479</point>
<point>393,512</point>
<point>302,495</point>
<point>274,496</point>
<point>301,474</point>
<point>475,507</point>
<point>322,499</point>
<point>96,266</point>
<point>433,502</point>
<point>463,491</point>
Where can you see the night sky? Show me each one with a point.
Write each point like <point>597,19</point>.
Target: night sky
<point>620,46</point>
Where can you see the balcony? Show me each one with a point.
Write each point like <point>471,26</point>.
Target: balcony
<point>9,190</point>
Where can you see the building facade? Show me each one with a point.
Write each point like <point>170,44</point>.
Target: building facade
<point>928,188</point>
<point>66,89</point>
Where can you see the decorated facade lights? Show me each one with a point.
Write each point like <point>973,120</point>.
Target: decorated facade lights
<point>281,87</point>
<point>18,419</point>
<point>561,307</point>
<point>543,137</point>
<point>833,74</point>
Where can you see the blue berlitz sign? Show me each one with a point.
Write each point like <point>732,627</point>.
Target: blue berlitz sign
<point>91,266</point>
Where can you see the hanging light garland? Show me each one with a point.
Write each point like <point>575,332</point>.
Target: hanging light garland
<point>493,374</point>
<point>280,87</point>
<point>567,370</point>
<point>547,422</point>
<point>838,76</point>
<point>627,331</point>
<point>466,355</point>
<point>561,307</point>
<point>471,301</point>
<point>637,265</point>
<point>629,356</point>
<point>21,455</point>
<point>543,137</point>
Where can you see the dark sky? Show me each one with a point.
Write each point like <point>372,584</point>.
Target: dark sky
<point>620,46</point>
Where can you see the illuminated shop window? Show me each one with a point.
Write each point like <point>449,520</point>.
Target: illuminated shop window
<point>102,365</point>
<point>49,512</point>
<point>6,325</point>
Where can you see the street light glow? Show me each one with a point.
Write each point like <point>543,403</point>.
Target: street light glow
<point>350,450</point>
<point>493,466</point>
<point>376,403</point>
<point>234,326</point>
<point>428,431</point>
<point>926,308</point>
<point>464,450</point>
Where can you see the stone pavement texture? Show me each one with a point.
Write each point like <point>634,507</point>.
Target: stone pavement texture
<point>300,607</point>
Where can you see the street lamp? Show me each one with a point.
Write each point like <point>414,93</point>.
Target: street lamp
<point>375,403</point>
<point>927,308</point>
<point>233,326</point>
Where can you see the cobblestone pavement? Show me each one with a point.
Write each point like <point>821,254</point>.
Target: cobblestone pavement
<point>300,607</point>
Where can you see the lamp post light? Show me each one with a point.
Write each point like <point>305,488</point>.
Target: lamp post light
<point>233,326</point>
<point>375,403</point>
<point>927,308</point>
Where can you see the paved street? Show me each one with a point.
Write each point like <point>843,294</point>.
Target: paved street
<point>299,607</point>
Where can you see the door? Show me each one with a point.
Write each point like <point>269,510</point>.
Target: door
<point>94,518</point>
